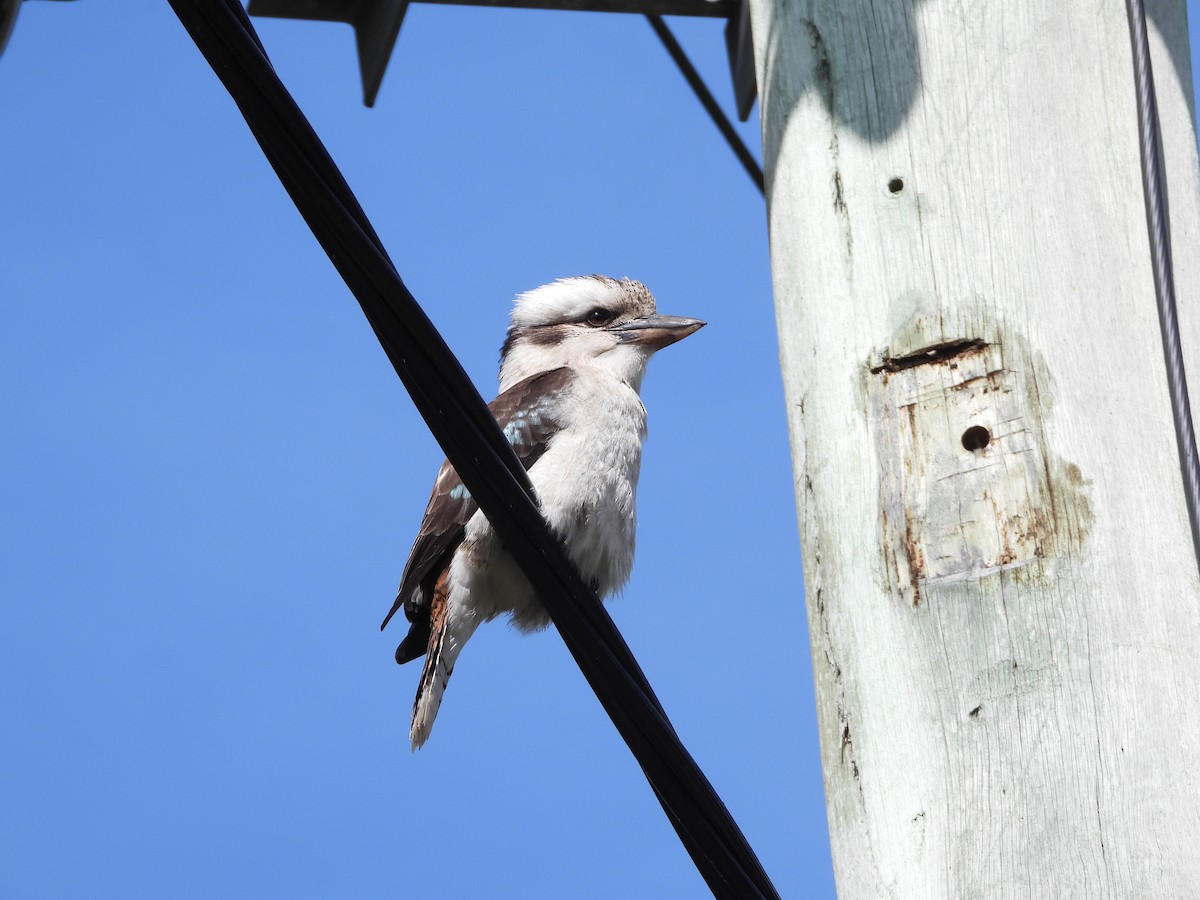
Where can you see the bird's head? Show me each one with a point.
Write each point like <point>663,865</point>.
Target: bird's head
<point>589,320</point>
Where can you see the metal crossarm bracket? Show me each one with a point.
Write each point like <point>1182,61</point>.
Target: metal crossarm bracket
<point>741,60</point>
<point>377,24</point>
<point>8,18</point>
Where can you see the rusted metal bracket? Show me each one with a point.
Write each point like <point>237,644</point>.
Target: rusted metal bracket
<point>970,486</point>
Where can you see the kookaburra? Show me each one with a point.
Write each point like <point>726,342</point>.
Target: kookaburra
<point>570,371</point>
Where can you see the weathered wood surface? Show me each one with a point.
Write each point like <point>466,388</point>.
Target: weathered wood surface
<point>1003,602</point>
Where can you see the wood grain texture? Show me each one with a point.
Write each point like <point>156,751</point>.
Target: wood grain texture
<point>1006,634</point>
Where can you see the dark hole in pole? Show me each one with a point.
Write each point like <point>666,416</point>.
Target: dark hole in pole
<point>976,438</point>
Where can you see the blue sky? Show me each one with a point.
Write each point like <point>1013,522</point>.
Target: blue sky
<point>212,476</point>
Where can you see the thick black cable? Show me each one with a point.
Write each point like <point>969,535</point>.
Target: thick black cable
<point>339,253</point>
<point>474,444</point>
<point>1159,230</point>
<point>745,157</point>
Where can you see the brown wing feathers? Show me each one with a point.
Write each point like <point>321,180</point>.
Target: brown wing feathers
<point>525,414</point>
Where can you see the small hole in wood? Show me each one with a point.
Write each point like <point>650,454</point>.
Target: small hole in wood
<point>896,185</point>
<point>976,438</point>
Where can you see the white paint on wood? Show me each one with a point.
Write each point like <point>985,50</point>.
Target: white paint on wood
<point>1006,638</point>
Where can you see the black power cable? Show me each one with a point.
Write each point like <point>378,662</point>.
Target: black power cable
<point>1158,227</point>
<point>472,441</point>
<point>704,95</point>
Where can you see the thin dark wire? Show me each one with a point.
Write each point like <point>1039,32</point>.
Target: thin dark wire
<point>745,157</point>
<point>474,444</point>
<point>1158,226</point>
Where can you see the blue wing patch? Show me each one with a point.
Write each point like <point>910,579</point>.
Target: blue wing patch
<point>526,415</point>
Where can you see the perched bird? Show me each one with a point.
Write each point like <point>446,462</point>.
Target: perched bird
<point>570,371</point>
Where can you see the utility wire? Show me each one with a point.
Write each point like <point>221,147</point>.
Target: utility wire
<point>1159,230</point>
<point>745,157</point>
<point>474,444</point>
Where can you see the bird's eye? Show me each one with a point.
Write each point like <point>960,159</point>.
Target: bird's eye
<point>598,317</point>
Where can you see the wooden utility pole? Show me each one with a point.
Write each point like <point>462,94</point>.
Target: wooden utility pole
<point>1003,601</point>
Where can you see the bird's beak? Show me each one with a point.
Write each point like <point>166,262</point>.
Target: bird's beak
<point>656,331</point>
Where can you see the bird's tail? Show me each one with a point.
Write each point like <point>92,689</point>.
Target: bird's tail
<point>447,635</point>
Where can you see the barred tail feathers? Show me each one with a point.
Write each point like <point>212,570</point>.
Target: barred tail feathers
<point>447,636</point>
